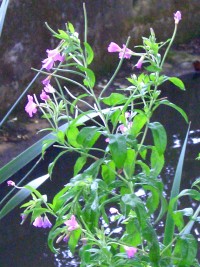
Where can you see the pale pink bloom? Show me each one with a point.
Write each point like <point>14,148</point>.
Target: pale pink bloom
<point>127,54</point>
<point>46,81</point>
<point>123,128</point>
<point>30,107</point>
<point>107,140</point>
<point>113,47</point>
<point>10,183</point>
<point>46,222</point>
<point>130,251</point>
<point>41,222</point>
<point>53,55</point>
<point>177,17</point>
<point>44,96</point>
<point>38,222</point>
<point>139,63</point>
<point>49,88</point>
<point>113,210</point>
<point>72,223</point>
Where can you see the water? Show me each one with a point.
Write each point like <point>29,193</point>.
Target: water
<point>25,246</point>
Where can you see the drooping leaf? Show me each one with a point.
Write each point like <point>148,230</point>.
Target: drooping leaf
<point>118,149</point>
<point>90,53</point>
<point>159,136</point>
<point>108,172</point>
<point>176,81</point>
<point>180,110</point>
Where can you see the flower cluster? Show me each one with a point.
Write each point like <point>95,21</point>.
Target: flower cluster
<point>48,63</point>
<point>42,222</point>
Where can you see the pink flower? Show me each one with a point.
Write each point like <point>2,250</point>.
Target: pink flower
<point>107,140</point>
<point>123,128</point>
<point>113,47</point>
<point>72,223</point>
<point>177,17</point>
<point>128,52</point>
<point>38,222</point>
<point>139,63</point>
<point>46,222</point>
<point>30,107</point>
<point>44,96</point>
<point>53,55</point>
<point>113,210</point>
<point>130,251</point>
<point>49,89</point>
<point>10,183</point>
<point>46,81</point>
<point>41,222</point>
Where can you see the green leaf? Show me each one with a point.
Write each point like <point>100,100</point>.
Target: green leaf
<point>153,199</point>
<point>176,81</point>
<point>157,162</point>
<point>114,99</point>
<point>70,27</point>
<point>108,172</point>
<point>185,251</point>
<point>72,133</point>
<point>62,35</point>
<point>21,195</point>
<point>159,136</point>
<point>178,217</point>
<point>153,68</point>
<point>129,164</point>
<point>118,149</point>
<point>90,53</point>
<point>60,136</point>
<point>180,110</point>
<point>138,122</point>
<point>73,240</point>
<point>80,162</point>
<point>90,79</point>
<point>88,136</point>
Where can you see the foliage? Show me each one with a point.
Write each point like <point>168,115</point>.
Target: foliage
<point>106,191</point>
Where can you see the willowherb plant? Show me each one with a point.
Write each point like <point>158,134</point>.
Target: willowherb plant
<point>109,190</point>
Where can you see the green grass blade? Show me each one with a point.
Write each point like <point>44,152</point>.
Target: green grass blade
<point>22,195</point>
<point>170,226</point>
<point>3,10</point>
